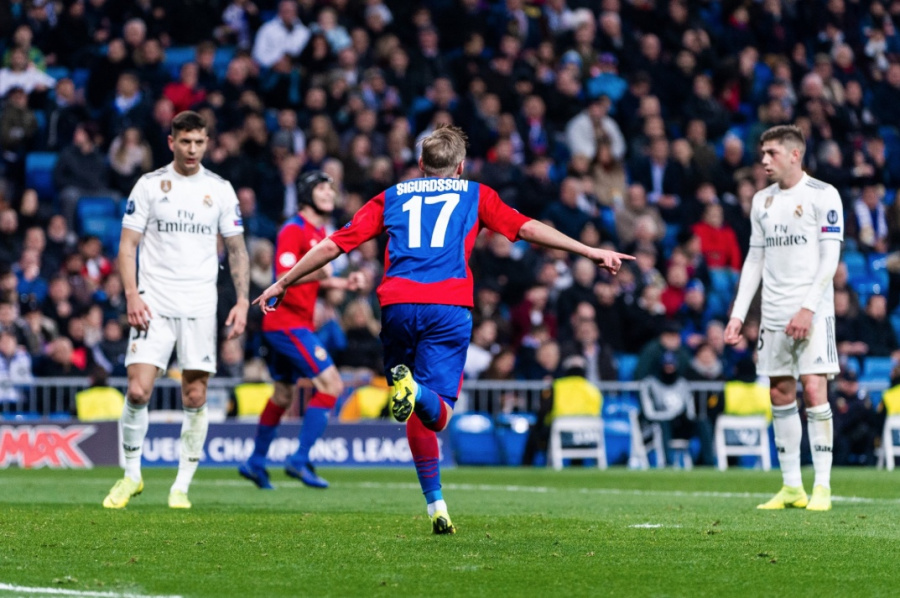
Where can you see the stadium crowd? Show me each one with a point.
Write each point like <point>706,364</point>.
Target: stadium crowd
<point>632,123</point>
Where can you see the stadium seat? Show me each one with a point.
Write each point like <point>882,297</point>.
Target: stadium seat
<point>98,225</point>
<point>512,431</point>
<point>80,78</point>
<point>177,56</point>
<point>58,72</point>
<point>743,427</point>
<point>877,368</point>
<point>626,363</point>
<point>856,262</point>
<point>39,173</point>
<point>223,57</point>
<point>577,437</point>
<point>723,280</point>
<point>473,440</point>
<point>97,207</point>
<point>642,445</point>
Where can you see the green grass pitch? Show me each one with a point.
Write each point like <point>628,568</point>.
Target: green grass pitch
<point>522,532</point>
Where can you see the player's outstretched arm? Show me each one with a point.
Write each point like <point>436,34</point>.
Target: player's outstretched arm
<point>311,261</point>
<point>239,262</point>
<point>535,231</point>
<point>138,313</point>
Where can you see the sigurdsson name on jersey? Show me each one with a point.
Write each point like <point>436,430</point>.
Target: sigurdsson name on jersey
<point>432,185</point>
<point>786,240</point>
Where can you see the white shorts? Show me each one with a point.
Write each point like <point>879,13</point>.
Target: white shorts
<point>780,355</point>
<point>194,339</point>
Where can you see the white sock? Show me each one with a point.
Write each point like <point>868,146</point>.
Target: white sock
<point>134,430</point>
<point>434,507</point>
<point>193,437</point>
<point>821,441</point>
<point>788,433</point>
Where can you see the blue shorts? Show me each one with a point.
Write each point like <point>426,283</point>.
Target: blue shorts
<point>431,339</point>
<point>294,354</point>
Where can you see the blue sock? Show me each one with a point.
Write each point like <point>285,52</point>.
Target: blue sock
<point>433,496</point>
<point>264,437</point>
<point>314,421</point>
<point>428,405</point>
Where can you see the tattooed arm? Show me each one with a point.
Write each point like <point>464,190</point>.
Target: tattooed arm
<point>239,262</point>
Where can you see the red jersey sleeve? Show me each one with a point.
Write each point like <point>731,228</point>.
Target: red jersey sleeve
<point>497,216</point>
<point>366,224</point>
<point>289,249</point>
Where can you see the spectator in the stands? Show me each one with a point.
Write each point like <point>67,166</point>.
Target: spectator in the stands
<point>663,178</point>
<point>18,135</point>
<point>15,368</point>
<point>875,329</point>
<point>283,36</point>
<point>80,171</point>
<point>129,157</point>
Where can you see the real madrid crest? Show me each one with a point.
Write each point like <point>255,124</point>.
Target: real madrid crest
<point>165,185</point>
<point>207,201</point>
<point>769,201</point>
<point>798,211</point>
<point>134,347</point>
<point>320,352</point>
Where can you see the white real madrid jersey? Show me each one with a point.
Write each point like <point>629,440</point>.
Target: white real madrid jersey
<point>180,218</point>
<point>789,224</point>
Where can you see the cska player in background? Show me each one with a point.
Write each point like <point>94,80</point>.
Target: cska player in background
<point>294,350</point>
<point>427,290</point>
<point>174,216</point>
<point>795,245</point>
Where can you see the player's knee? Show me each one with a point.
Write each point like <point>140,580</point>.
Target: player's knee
<point>194,396</point>
<point>139,393</point>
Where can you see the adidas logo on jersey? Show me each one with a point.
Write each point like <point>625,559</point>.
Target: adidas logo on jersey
<point>764,216</point>
<point>819,360</point>
<point>208,360</point>
<point>165,199</point>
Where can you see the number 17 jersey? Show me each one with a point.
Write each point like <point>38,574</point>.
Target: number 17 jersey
<point>431,225</point>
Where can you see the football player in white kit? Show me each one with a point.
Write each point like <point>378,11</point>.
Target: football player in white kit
<point>795,245</point>
<point>174,216</point>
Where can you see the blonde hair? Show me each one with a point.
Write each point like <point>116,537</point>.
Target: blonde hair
<point>443,150</point>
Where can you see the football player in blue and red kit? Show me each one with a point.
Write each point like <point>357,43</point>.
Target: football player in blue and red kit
<point>294,350</point>
<point>427,290</point>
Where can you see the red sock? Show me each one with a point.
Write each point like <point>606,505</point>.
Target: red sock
<point>320,399</point>
<point>423,444</point>
<point>271,415</point>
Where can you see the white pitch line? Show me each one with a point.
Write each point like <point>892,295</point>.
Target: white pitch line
<point>5,587</point>
<point>495,488</point>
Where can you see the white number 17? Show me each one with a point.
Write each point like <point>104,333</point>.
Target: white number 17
<point>414,207</point>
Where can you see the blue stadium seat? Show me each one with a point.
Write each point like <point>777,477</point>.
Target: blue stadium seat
<point>856,262</point>
<point>723,280</point>
<point>39,173</point>
<point>511,430</point>
<point>80,78</point>
<point>670,239</point>
<point>626,363</point>
<point>91,207</point>
<point>473,440</point>
<point>223,57</point>
<point>177,56</point>
<point>58,72</point>
<point>98,225</point>
<point>875,368</point>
